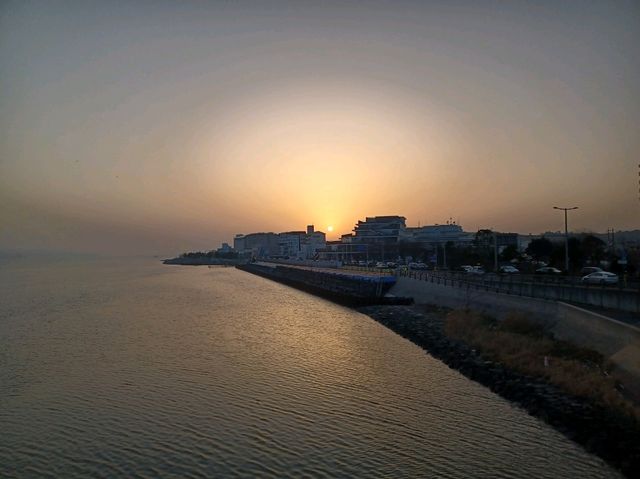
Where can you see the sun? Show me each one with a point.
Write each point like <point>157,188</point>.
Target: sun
<point>329,228</point>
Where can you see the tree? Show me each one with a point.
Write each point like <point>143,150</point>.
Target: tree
<point>484,239</point>
<point>540,248</point>
<point>415,250</point>
<point>592,248</point>
<point>509,253</point>
<point>461,255</point>
<point>576,258</point>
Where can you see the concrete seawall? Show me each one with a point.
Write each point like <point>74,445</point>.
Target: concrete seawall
<point>344,287</point>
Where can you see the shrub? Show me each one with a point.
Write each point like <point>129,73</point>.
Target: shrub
<point>522,345</point>
<point>519,324</point>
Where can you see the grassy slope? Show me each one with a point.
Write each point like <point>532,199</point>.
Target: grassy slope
<point>523,345</point>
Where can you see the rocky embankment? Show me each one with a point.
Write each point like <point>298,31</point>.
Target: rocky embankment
<point>606,433</point>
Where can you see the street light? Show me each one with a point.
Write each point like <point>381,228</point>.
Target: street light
<point>566,236</point>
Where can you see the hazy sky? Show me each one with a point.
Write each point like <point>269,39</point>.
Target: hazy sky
<point>168,126</point>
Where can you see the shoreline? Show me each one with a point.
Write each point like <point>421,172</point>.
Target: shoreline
<point>601,431</point>
<point>202,261</point>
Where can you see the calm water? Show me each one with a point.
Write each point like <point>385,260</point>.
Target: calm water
<point>134,369</point>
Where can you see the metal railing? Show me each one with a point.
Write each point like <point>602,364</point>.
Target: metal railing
<point>561,289</point>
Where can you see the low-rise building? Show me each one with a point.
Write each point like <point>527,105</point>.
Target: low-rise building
<point>258,245</point>
<point>225,248</point>
<point>312,242</point>
<point>302,244</point>
<point>439,234</point>
<point>290,244</point>
<point>381,235</point>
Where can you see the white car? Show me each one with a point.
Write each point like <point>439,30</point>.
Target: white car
<point>509,269</point>
<point>600,277</point>
<point>548,270</point>
<point>472,269</point>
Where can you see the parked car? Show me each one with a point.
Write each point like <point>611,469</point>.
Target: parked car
<point>548,270</point>
<point>381,265</point>
<point>417,266</point>
<point>472,269</point>
<point>391,264</point>
<point>589,269</point>
<point>362,263</point>
<point>508,269</point>
<point>600,277</point>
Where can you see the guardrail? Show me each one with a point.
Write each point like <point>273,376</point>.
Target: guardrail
<point>500,277</point>
<point>606,296</point>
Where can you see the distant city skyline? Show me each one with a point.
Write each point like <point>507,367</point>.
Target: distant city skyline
<point>160,127</point>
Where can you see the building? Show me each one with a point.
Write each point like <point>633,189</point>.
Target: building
<point>381,235</point>
<point>302,244</point>
<point>439,234</point>
<point>312,243</point>
<point>258,245</point>
<point>225,249</point>
<point>290,244</point>
<point>508,239</point>
<point>239,243</point>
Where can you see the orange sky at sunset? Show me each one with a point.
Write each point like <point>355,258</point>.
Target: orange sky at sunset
<point>129,130</point>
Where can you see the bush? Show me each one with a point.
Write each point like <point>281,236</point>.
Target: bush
<point>522,345</point>
<point>519,324</point>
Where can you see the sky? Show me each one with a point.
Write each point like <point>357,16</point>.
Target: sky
<point>162,126</point>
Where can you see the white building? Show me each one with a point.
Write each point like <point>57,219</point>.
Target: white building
<point>312,242</point>
<point>301,244</point>
<point>439,234</point>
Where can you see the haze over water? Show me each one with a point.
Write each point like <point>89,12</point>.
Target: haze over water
<point>134,369</point>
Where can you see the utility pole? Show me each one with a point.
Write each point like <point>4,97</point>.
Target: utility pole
<point>495,251</point>
<point>437,248</point>
<point>566,235</point>
<point>444,255</point>
<point>611,240</point>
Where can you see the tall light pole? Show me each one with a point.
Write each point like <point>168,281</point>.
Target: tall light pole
<point>566,236</point>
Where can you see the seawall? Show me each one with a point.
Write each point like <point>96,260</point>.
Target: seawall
<point>343,287</point>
